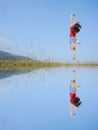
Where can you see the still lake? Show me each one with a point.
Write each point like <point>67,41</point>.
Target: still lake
<point>39,99</point>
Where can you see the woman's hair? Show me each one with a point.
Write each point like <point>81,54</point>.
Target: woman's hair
<point>77,101</point>
<point>77,27</point>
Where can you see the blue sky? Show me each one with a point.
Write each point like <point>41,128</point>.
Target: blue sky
<point>41,28</point>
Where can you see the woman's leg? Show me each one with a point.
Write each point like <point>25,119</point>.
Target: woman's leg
<point>70,109</point>
<point>77,42</point>
<point>75,109</point>
<point>74,75</point>
<point>73,48</point>
<point>74,54</point>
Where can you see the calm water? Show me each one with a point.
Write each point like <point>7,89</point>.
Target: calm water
<point>39,100</point>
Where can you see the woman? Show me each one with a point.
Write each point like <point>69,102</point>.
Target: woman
<point>74,28</point>
<point>74,100</point>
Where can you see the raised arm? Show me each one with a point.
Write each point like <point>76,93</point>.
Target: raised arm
<point>75,20</point>
<point>72,19</point>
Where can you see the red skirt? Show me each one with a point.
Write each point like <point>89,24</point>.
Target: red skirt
<point>72,96</point>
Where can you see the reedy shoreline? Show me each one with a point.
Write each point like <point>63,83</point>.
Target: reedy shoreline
<point>23,64</point>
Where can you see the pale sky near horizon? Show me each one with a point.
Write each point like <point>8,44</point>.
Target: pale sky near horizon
<point>41,28</point>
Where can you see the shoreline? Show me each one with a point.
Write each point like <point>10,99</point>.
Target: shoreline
<point>23,64</point>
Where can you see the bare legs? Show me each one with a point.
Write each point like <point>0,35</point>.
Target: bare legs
<point>74,54</point>
<point>74,75</point>
<point>73,109</point>
<point>73,47</point>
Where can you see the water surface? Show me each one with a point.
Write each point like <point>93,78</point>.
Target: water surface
<point>39,100</point>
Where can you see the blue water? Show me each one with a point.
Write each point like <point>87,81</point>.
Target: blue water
<point>39,100</point>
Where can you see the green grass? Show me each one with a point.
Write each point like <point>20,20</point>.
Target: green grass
<point>24,64</point>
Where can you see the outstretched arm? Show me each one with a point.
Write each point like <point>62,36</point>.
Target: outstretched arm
<point>75,20</point>
<point>72,19</point>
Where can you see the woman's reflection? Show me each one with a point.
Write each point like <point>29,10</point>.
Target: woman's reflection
<point>74,100</point>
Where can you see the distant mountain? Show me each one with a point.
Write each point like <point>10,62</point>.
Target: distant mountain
<point>10,56</point>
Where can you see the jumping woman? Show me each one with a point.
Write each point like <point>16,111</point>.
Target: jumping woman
<point>74,29</point>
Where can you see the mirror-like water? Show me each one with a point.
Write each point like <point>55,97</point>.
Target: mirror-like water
<point>40,99</point>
